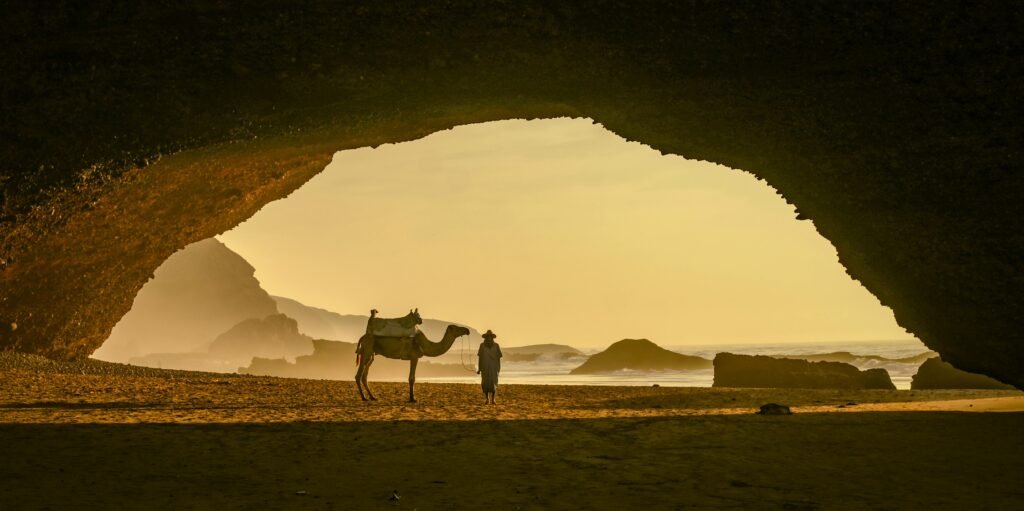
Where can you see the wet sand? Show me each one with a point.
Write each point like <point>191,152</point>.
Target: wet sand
<point>198,441</point>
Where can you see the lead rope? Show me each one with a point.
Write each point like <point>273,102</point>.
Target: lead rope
<point>462,356</point>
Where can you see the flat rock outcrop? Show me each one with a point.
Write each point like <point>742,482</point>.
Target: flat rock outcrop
<point>768,372</point>
<point>639,355</point>
<point>938,374</point>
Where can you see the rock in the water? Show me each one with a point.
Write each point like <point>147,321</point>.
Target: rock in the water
<point>937,374</point>
<point>639,354</point>
<point>774,409</point>
<point>768,372</point>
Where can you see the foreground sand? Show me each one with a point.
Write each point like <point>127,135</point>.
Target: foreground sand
<point>174,441</point>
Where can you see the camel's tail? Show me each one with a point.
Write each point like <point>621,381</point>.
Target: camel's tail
<point>359,358</point>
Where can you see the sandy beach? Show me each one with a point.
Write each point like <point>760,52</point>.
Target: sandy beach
<point>79,438</point>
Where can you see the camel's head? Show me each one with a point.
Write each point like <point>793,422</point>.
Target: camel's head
<point>415,313</point>
<point>457,330</point>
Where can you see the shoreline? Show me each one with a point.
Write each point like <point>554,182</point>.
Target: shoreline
<point>33,396</point>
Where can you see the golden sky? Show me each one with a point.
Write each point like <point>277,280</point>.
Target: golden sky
<point>558,231</point>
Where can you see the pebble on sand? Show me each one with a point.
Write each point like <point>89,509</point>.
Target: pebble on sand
<point>774,409</point>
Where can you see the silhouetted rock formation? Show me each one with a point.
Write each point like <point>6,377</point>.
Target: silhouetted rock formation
<point>640,355</point>
<point>197,294</point>
<point>768,372</point>
<point>333,360</point>
<point>850,358</point>
<point>275,336</point>
<point>324,324</point>
<point>937,374</point>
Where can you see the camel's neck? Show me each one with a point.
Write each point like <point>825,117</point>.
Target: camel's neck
<point>436,349</point>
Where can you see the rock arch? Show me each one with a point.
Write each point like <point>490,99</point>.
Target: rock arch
<point>132,130</point>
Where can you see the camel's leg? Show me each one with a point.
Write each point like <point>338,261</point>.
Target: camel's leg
<point>361,361</point>
<point>364,359</point>
<point>412,378</point>
<point>366,373</point>
<point>359,378</point>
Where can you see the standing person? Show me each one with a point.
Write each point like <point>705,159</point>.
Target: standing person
<point>489,366</point>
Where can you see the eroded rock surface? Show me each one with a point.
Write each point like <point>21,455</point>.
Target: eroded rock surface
<point>133,130</point>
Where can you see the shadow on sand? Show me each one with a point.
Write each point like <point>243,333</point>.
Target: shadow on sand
<point>809,461</point>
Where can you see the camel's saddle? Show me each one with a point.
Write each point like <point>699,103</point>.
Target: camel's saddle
<point>406,326</point>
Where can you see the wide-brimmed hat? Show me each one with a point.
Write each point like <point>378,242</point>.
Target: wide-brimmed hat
<point>489,335</point>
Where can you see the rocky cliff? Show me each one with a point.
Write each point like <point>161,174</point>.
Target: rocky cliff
<point>197,294</point>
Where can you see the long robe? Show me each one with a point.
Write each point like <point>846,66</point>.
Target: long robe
<point>490,366</point>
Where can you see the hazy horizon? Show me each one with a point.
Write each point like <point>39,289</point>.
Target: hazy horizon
<point>558,231</point>
<point>597,344</point>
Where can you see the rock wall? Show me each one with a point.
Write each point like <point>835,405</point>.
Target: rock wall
<point>133,129</point>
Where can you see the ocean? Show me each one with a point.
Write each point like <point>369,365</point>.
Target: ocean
<point>553,371</point>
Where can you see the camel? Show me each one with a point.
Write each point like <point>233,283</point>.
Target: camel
<point>402,348</point>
